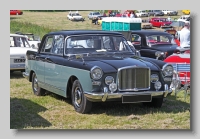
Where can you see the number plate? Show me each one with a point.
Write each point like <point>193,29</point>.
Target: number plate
<point>136,98</point>
<point>19,60</point>
<point>168,79</point>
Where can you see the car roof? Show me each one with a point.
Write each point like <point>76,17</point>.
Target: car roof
<point>16,35</point>
<point>79,32</point>
<point>150,32</point>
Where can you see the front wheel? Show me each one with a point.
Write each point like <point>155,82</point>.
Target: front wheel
<point>79,101</point>
<point>36,89</point>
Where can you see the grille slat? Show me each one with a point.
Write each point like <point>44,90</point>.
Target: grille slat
<point>134,78</point>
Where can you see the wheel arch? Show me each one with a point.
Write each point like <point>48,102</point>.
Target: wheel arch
<point>69,85</point>
<point>31,75</point>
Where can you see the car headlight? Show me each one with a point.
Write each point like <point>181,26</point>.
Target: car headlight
<point>109,80</point>
<point>96,73</point>
<point>168,70</point>
<point>154,78</point>
<point>159,53</point>
<point>157,85</point>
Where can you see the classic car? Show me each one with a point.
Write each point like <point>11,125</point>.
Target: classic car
<point>18,48</point>
<point>93,15</point>
<point>75,16</point>
<point>34,40</point>
<point>186,12</point>
<point>96,66</point>
<point>184,18</point>
<point>16,12</point>
<point>146,25</point>
<point>170,12</point>
<point>152,43</point>
<point>155,13</point>
<point>142,13</point>
<point>181,64</point>
<point>160,22</point>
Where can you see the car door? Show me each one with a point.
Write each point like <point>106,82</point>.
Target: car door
<point>41,59</point>
<point>53,65</point>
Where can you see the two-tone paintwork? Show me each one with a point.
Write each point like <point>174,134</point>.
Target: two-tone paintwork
<point>55,72</point>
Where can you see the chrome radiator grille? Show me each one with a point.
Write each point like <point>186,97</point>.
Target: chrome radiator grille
<point>133,79</point>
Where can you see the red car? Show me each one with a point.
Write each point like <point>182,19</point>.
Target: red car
<point>160,22</point>
<point>181,64</point>
<point>16,12</point>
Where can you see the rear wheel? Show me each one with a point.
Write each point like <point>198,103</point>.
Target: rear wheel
<point>79,101</point>
<point>36,89</point>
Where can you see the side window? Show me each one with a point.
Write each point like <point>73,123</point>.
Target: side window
<point>58,44</point>
<point>106,42</point>
<point>48,45</point>
<point>136,39</point>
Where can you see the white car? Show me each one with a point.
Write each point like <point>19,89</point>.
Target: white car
<point>75,16</point>
<point>184,18</point>
<point>33,40</point>
<point>170,12</point>
<point>18,47</point>
<point>141,13</point>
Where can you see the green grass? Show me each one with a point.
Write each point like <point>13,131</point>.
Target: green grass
<point>28,111</point>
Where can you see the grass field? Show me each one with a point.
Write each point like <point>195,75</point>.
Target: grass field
<point>28,111</point>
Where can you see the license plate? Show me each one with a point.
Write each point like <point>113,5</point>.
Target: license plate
<point>19,60</point>
<point>136,98</point>
<point>168,79</point>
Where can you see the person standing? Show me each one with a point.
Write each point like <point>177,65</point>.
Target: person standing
<point>185,35</point>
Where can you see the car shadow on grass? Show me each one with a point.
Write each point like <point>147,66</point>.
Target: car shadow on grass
<point>170,105</point>
<point>16,75</point>
<point>12,18</point>
<point>24,113</point>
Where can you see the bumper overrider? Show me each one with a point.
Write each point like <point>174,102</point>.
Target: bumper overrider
<point>135,97</point>
<point>25,75</point>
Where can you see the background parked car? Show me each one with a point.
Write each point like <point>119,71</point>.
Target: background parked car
<point>34,40</point>
<point>160,22</point>
<point>187,12</point>
<point>184,18</point>
<point>146,25</point>
<point>155,13</point>
<point>151,43</point>
<point>18,47</point>
<point>181,64</point>
<point>75,16</point>
<point>170,12</point>
<point>93,15</point>
<point>141,13</point>
<point>16,12</point>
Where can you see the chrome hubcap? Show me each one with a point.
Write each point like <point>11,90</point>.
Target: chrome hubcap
<point>35,84</point>
<point>77,96</point>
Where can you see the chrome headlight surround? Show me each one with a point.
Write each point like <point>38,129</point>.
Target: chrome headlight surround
<point>154,78</point>
<point>159,53</point>
<point>109,80</point>
<point>96,73</point>
<point>168,70</point>
<point>157,85</point>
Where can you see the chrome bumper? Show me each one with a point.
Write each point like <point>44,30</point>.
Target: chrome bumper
<point>107,95</point>
<point>25,75</point>
<point>20,66</point>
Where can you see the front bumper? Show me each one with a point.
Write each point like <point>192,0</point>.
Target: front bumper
<point>18,66</point>
<point>106,96</point>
